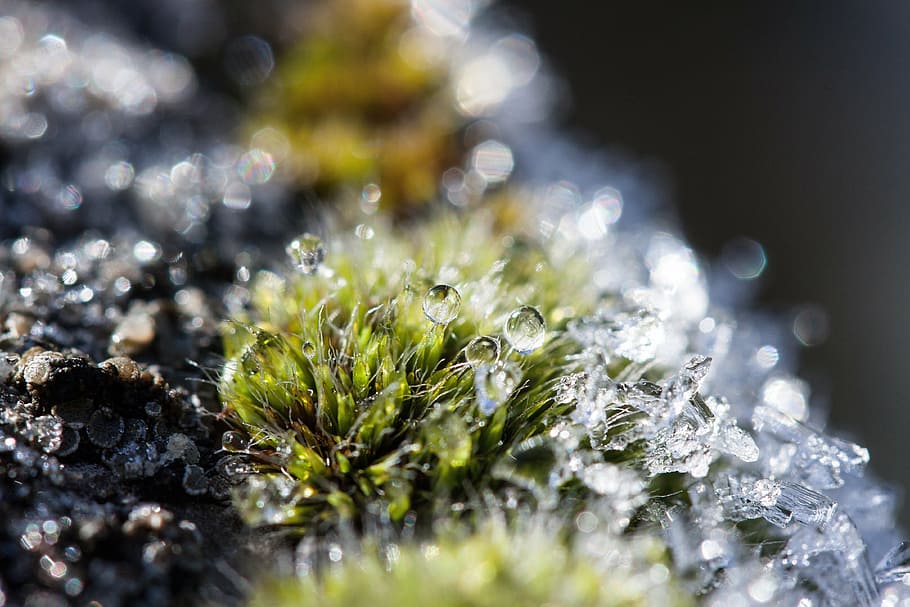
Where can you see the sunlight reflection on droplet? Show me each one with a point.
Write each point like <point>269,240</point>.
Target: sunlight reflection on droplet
<point>482,84</point>
<point>448,18</point>
<point>745,258</point>
<point>369,198</point>
<point>787,394</point>
<point>255,166</point>
<point>520,53</point>
<point>493,161</point>
<point>673,266</point>
<point>767,356</point>
<point>237,196</point>
<point>603,211</point>
<point>271,141</point>
<point>69,198</point>
<point>119,175</point>
<point>249,60</point>
<point>811,325</point>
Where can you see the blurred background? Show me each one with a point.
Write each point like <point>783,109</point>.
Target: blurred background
<point>787,123</point>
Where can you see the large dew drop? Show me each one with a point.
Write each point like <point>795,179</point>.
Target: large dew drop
<point>307,252</point>
<point>482,350</point>
<point>233,441</point>
<point>308,349</point>
<point>441,304</point>
<point>525,329</point>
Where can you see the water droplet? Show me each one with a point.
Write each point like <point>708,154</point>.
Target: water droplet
<point>73,586</point>
<point>493,160</point>
<point>249,60</point>
<point>369,198</point>
<point>364,232</point>
<point>237,196</point>
<point>146,252</point>
<point>482,350</point>
<point>104,428</point>
<point>233,441</point>
<point>309,349</point>
<point>441,304</point>
<point>234,468</point>
<point>307,252</point>
<point>69,198</point>
<point>255,167</point>
<point>494,385</point>
<point>335,553</point>
<point>119,176</point>
<point>810,326</point>
<point>525,329</point>
<point>745,258</point>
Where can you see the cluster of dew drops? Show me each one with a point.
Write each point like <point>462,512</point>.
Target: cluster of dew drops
<point>524,329</point>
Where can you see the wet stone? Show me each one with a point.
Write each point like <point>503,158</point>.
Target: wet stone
<point>125,369</point>
<point>135,430</point>
<point>69,442</point>
<point>38,368</point>
<point>7,366</point>
<point>104,428</point>
<point>75,413</point>
<point>194,482</point>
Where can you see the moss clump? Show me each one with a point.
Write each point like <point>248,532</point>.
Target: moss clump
<point>352,397</point>
<point>359,107</point>
<point>491,568</point>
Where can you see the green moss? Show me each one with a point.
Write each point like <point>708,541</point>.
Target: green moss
<point>359,104</point>
<point>491,568</point>
<point>346,388</point>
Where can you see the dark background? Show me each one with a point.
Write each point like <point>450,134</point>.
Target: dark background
<point>787,122</point>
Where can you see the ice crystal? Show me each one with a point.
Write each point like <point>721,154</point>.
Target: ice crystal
<point>818,459</point>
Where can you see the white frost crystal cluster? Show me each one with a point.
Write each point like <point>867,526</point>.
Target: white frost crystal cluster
<point>645,400</point>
